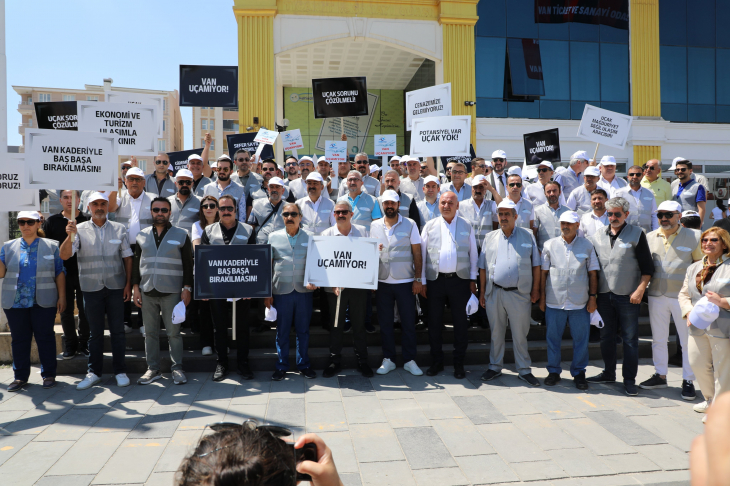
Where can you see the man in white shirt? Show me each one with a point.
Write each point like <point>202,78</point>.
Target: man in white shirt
<point>498,177</point>
<point>597,218</point>
<point>643,206</point>
<point>457,184</point>
<point>412,183</point>
<point>524,207</point>
<point>579,200</point>
<point>609,181</point>
<point>572,177</point>
<point>536,191</point>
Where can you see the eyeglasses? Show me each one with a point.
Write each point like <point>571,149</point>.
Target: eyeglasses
<point>290,215</point>
<point>241,159</point>
<point>515,184</point>
<point>353,179</point>
<point>29,222</point>
<point>341,212</point>
<point>268,169</point>
<point>185,183</point>
<point>544,169</point>
<point>226,209</point>
<point>162,162</point>
<point>160,210</point>
<point>651,168</point>
<point>663,215</point>
<point>479,166</point>
<point>635,174</point>
<point>209,206</point>
<point>684,169</point>
<point>126,167</point>
<point>617,214</point>
<point>134,180</point>
<point>458,172</point>
<point>274,430</point>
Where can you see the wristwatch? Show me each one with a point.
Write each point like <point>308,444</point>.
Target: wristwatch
<point>418,280</point>
<point>189,289</point>
<point>593,295</point>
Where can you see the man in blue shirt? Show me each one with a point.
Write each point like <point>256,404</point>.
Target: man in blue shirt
<point>689,193</point>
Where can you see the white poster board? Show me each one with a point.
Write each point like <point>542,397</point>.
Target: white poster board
<point>267,137</point>
<point>71,160</point>
<point>140,99</point>
<point>337,261</point>
<point>13,195</point>
<point>292,140</point>
<point>443,135</point>
<point>604,127</point>
<point>134,126</point>
<point>335,152</point>
<point>428,102</point>
<point>384,145</point>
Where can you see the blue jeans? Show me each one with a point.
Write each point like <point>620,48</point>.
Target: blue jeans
<point>97,305</point>
<point>296,308</point>
<point>580,326</point>
<point>25,324</point>
<point>386,297</point>
<point>614,309</point>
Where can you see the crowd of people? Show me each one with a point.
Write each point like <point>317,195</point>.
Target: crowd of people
<point>580,244</point>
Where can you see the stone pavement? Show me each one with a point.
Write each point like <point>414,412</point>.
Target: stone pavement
<point>389,430</point>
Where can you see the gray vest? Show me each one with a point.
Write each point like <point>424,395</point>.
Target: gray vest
<point>100,261</point>
<point>261,210</point>
<point>185,214</point>
<point>403,206</point>
<point>298,187</point>
<point>524,214</point>
<point>688,198</point>
<point>640,209</point>
<point>200,191</point>
<point>463,263</point>
<point>413,189</point>
<point>396,257</point>
<point>124,211</point>
<point>46,292</point>
<point>161,268</point>
<point>463,194</point>
<point>582,199</point>
<point>521,241</point>
<point>568,179</point>
<point>233,189</point>
<point>321,220</point>
<point>253,183</point>
<point>425,214</point>
<point>720,284</point>
<point>370,185</point>
<point>363,210</point>
<point>670,267</point>
<point>289,263</point>
<point>619,272</point>
<point>481,221</point>
<point>568,277</point>
<point>168,187</point>
<point>548,224</point>
<point>240,237</point>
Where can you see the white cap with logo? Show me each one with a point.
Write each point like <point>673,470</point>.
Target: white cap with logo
<point>390,195</point>
<point>499,154</point>
<point>608,160</point>
<point>431,178</point>
<point>276,181</point>
<point>184,173</point>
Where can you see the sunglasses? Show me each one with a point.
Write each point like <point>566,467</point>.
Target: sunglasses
<point>663,215</point>
<point>290,215</point>
<point>160,210</point>
<point>241,159</point>
<point>185,183</point>
<point>29,222</point>
<point>126,167</point>
<point>161,162</point>
<point>498,160</point>
<point>712,240</point>
<point>209,206</point>
<point>343,212</point>
<point>617,214</point>
<point>681,170</point>
<point>226,209</point>
<point>544,169</point>
<point>515,184</point>
<point>635,174</point>
<point>479,166</point>
<point>290,164</point>
<point>268,169</point>
<point>651,168</point>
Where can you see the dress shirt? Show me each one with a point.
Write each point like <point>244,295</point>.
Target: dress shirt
<point>388,236</point>
<point>310,210</point>
<point>136,205</point>
<point>613,186</point>
<point>447,255</point>
<point>592,263</point>
<point>590,223</point>
<point>505,267</point>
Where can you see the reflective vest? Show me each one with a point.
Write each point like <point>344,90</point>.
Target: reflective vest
<point>568,277</point>
<point>321,220</point>
<point>100,261</point>
<point>688,198</point>
<point>548,224</point>
<point>522,242</point>
<point>124,211</point>
<point>289,263</point>
<point>640,209</point>
<point>568,179</point>
<point>200,190</point>
<point>524,214</point>
<point>433,251</point>
<point>396,257</point>
<point>253,183</point>
<point>46,292</point>
<point>582,198</point>
<point>413,188</point>
<point>424,212</point>
<point>168,187</point>
<point>619,272</point>
<point>480,220</point>
<point>403,206</point>
<point>240,237</point>
<point>720,284</point>
<point>261,210</point>
<point>185,214</point>
<point>161,268</point>
<point>363,210</point>
<point>670,267</point>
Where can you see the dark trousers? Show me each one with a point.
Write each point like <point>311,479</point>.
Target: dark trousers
<point>221,320</point>
<point>325,319</point>
<point>386,297</point>
<point>618,312</point>
<point>205,322</point>
<point>192,316</point>
<point>424,308</point>
<point>71,340</point>
<point>368,311</point>
<point>25,324</point>
<point>129,307</point>
<point>355,299</point>
<point>293,308</point>
<point>457,291</point>
<point>107,303</point>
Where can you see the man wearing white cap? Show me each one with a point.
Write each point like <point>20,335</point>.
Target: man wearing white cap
<point>569,285</point>
<point>223,185</point>
<point>316,209</point>
<point>185,205</point>
<point>593,221</point>
<point>579,200</point>
<point>105,271</point>
<point>697,177</point>
<point>523,206</point>
<point>364,206</point>
<point>399,280</point>
<point>642,205</point>
<point>547,216</point>
<point>159,182</point>
<point>609,181</point>
<point>428,209</point>
<point>457,184</point>
<point>653,181</point>
<point>266,213</point>
<point>408,207</point>
<point>412,183</point>
<point>688,192</point>
<point>479,167</point>
<point>394,164</point>
<point>298,187</point>
<point>498,177</point>
<point>248,179</point>
<point>572,176</point>
<point>673,249</point>
<point>195,166</point>
<point>370,185</point>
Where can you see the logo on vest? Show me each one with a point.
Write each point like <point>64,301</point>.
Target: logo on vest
<point>304,244</point>
<point>647,198</point>
<point>116,242</point>
<point>406,234</point>
<point>240,237</point>
<point>723,280</point>
<point>48,257</point>
<point>193,210</point>
<point>581,255</point>
<point>173,242</point>
<point>170,190</point>
<point>625,245</point>
<point>683,248</point>
<point>526,245</point>
<point>464,233</point>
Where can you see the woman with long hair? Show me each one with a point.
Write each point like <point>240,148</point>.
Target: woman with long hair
<point>208,214</point>
<point>720,211</point>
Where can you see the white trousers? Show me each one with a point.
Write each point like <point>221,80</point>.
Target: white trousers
<point>710,356</point>
<point>660,309</point>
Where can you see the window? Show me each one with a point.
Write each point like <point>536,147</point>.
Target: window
<point>45,206</point>
<point>230,125</point>
<point>69,97</point>
<point>92,98</point>
<point>523,72</point>
<point>44,97</point>
<point>142,163</point>
<point>161,146</point>
<point>204,124</point>
<point>164,125</point>
<point>212,143</point>
<point>211,125</point>
<point>164,105</point>
<point>29,100</point>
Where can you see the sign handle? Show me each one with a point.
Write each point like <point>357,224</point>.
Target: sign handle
<point>294,153</point>
<point>337,309</point>
<point>342,126</point>
<point>73,212</point>
<point>385,162</point>
<point>234,320</point>
<point>596,152</point>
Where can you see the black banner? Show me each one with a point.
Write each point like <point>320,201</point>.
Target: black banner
<point>232,271</point>
<point>245,141</point>
<point>209,86</point>
<point>179,160</point>
<point>614,13</point>
<point>336,97</point>
<point>56,115</point>
<point>544,145</point>
<point>461,158</point>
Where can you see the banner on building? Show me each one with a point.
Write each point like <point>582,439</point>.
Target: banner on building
<point>443,135</point>
<point>543,145</point>
<point>604,127</point>
<point>56,115</point>
<point>385,145</point>
<point>614,13</point>
<point>209,86</point>
<point>140,99</point>
<point>245,141</point>
<point>336,97</point>
<point>13,194</point>
<point>428,102</point>
<point>333,261</point>
<point>292,140</point>
<point>179,160</point>
<point>134,126</point>
<point>232,271</point>
<point>71,160</point>
<point>335,152</point>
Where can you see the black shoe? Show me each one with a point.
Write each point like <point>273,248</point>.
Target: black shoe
<point>265,326</point>
<point>530,379</point>
<point>631,389</point>
<point>489,375</point>
<point>365,370</point>
<point>601,377</point>
<point>17,385</point>
<point>688,390</point>
<point>369,328</point>
<point>580,381</point>
<point>83,352</point>
<point>220,373</point>
<point>278,375</point>
<point>435,369</point>
<point>69,354</point>
<point>654,382</point>
<point>331,370</point>
<point>552,379</point>
<point>245,371</point>
<point>421,325</point>
<point>308,373</point>
<point>459,372</point>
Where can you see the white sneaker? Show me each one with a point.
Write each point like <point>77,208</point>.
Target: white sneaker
<point>90,380</point>
<point>122,379</point>
<point>412,368</point>
<point>702,407</point>
<point>207,351</point>
<point>141,330</point>
<point>386,367</point>
<point>178,377</point>
<point>127,329</point>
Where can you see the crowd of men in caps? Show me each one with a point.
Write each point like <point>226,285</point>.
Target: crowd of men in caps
<point>585,245</point>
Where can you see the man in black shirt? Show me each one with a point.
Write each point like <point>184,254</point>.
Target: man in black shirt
<point>55,229</point>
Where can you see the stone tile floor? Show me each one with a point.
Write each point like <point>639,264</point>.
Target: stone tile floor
<point>388,430</point>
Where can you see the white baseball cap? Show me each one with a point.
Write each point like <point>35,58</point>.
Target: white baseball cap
<point>546,163</point>
<point>213,164</point>
<point>507,204</point>
<point>390,195</point>
<point>135,171</point>
<point>195,157</point>
<point>569,217</point>
<point>276,181</point>
<point>182,173</point>
<point>678,160</point>
<point>670,206</point>
<point>580,155</point>
<point>224,157</point>
<point>472,306</point>
<point>96,196</point>
<point>489,163</point>
<point>478,179</point>
<point>592,171</point>
<point>608,160</point>
<point>374,168</point>
<point>29,215</point>
<point>690,213</point>
<point>515,170</point>
<point>395,157</point>
<point>270,314</point>
<point>306,157</point>
<point>313,176</point>
<point>499,154</point>
<point>431,178</point>
<point>703,314</point>
<point>178,313</point>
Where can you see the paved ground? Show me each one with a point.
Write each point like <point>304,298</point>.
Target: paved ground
<point>391,430</point>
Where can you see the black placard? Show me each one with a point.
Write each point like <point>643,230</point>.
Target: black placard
<point>232,271</point>
<point>245,141</point>
<point>336,97</point>
<point>544,145</point>
<point>56,115</point>
<point>179,160</point>
<point>614,13</point>
<point>461,158</point>
<point>209,86</point>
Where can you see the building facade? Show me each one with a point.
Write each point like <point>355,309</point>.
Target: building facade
<point>219,122</point>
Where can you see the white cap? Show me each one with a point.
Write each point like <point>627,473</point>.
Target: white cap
<point>489,163</point>
<point>135,171</point>
<point>689,213</point>
<point>580,154</point>
<point>596,319</point>
<point>195,157</point>
<point>213,164</point>
<point>323,158</point>
<point>546,163</point>
<point>97,196</point>
<point>306,157</point>
<point>127,162</point>
<point>472,306</point>
<point>670,206</point>
<point>224,157</point>
<point>515,169</point>
<point>313,176</point>
<point>178,313</point>
<point>184,173</point>
<point>677,160</point>
<point>390,195</point>
<point>431,178</point>
<point>478,179</point>
<point>499,154</point>
<point>507,204</point>
<point>270,314</point>
<point>569,217</point>
<point>374,168</point>
<point>592,171</point>
<point>608,160</point>
<point>703,314</point>
<point>29,215</point>
<point>395,157</point>
<point>276,181</point>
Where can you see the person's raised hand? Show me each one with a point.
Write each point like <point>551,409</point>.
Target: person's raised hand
<point>323,472</point>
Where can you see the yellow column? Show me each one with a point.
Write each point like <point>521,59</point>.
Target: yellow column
<point>645,82</point>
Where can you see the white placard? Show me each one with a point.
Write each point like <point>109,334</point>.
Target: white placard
<point>292,140</point>
<point>71,160</point>
<point>384,145</point>
<point>333,261</point>
<point>134,126</point>
<point>335,152</point>
<point>140,99</point>
<point>13,195</point>
<point>443,135</point>
<point>428,102</point>
<point>604,127</point>
<point>267,137</point>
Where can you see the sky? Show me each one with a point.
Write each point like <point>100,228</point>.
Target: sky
<point>139,44</point>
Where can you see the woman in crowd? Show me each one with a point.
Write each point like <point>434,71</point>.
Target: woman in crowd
<point>208,214</point>
<point>719,212</point>
<point>34,289</point>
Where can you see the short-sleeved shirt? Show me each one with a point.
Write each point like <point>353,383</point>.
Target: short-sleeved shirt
<point>415,240</point>
<point>376,209</point>
<point>124,247</point>
<point>197,232</point>
<point>505,268</point>
<point>701,195</point>
<point>28,262</point>
<point>592,265</point>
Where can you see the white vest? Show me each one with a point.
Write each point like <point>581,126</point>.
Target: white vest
<point>640,209</point>
<point>670,267</point>
<point>321,219</point>
<point>240,237</point>
<point>522,241</point>
<point>481,222</point>
<point>433,251</point>
<point>124,212</point>
<point>424,213</point>
<point>548,224</point>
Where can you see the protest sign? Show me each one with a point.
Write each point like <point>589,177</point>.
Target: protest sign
<point>232,271</point>
<point>13,195</point>
<point>245,141</point>
<point>292,140</point>
<point>463,159</point>
<point>336,97</point>
<point>56,115</point>
<point>72,160</point>
<point>335,152</point>
<point>385,145</point>
<point>139,99</point>
<point>179,160</point>
<point>209,86</point>
<point>356,128</point>
<point>442,135</point>
<point>337,261</point>
<point>604,127</point>
<point>544,145</point>
<point>428,102</point>
<point>265,136</point>
<point>135,126</point>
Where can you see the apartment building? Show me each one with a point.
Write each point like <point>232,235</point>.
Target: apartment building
<point>219,122</point>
